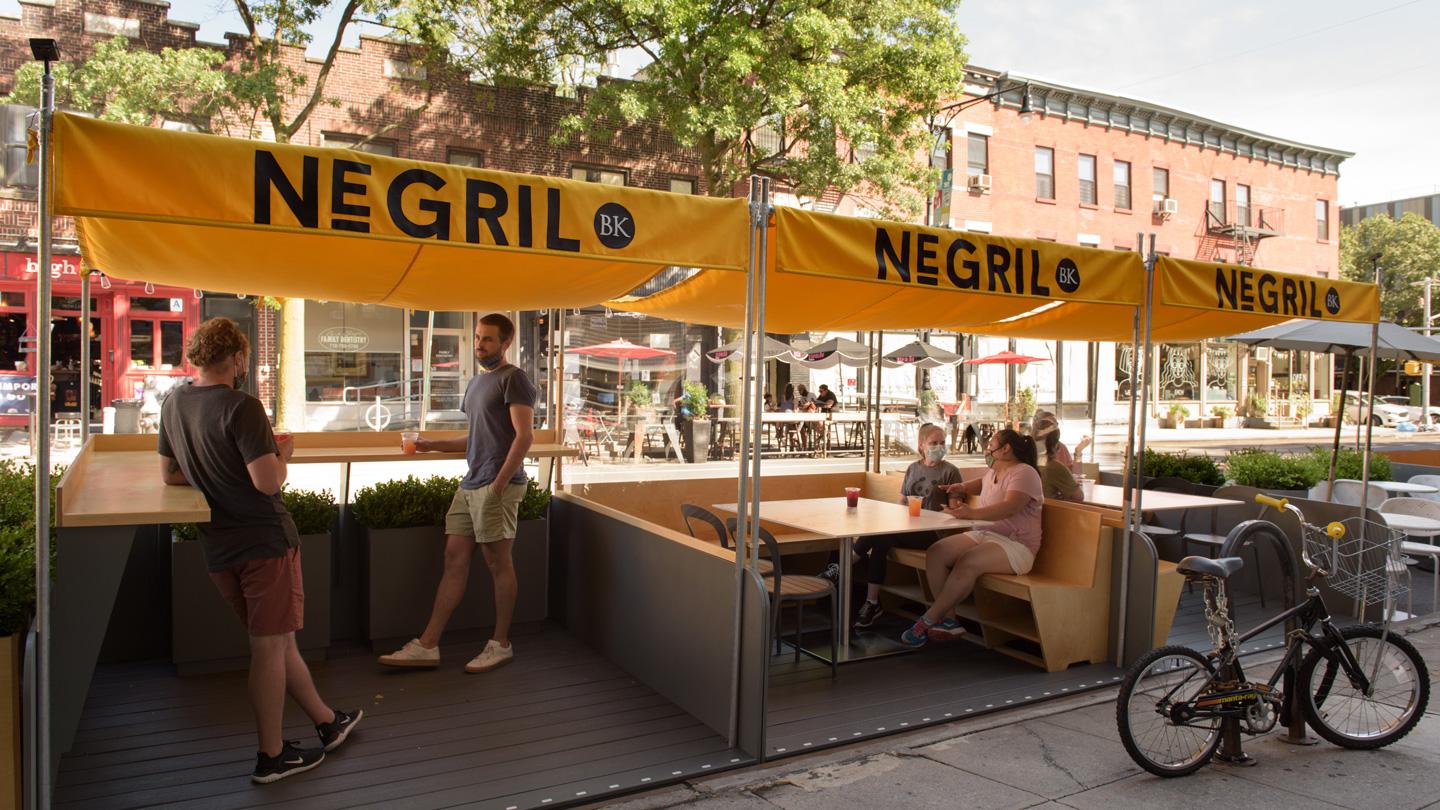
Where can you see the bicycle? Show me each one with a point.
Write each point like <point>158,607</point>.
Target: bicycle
<point>1359,687</point>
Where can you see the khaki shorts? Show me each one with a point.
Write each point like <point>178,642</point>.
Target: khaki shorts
<point>1021,558</point>
<point>479,514</point>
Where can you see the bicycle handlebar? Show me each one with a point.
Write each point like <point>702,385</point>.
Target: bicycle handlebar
<point>1278,504</point>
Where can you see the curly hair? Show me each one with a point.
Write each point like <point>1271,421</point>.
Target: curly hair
<point>213,341</point>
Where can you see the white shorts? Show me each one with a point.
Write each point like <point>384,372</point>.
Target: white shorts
<point>1021,558</point>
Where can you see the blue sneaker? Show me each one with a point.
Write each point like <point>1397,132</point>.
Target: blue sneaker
<point>918,634</point>
<point>948,630</point>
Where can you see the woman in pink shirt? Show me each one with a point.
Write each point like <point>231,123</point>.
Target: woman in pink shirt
<point>1009,502</point>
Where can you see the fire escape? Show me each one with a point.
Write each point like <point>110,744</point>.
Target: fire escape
<point>1240,233</point>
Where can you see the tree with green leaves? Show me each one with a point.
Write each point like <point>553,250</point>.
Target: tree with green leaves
<point>1407,250</point>
<point>256,90</point>
<point>821,95</point>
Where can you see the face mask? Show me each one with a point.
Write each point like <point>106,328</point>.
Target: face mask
<point>935,452</point>
<point>240,381</point>
<point>492,362</point>
<point>989,458</point>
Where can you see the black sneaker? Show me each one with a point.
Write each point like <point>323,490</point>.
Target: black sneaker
<point>869,613</point>
<point>831,573</point>
<point>291,760</point>
<point>334,732</point>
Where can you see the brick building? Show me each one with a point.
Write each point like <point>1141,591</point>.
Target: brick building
<point>1427,206</point>
<point>1087,168</point>
<point>381,94</point>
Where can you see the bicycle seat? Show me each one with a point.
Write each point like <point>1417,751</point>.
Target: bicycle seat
<point>1206,567</point>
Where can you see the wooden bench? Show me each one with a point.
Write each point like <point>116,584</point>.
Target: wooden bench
<point>1061,609</point>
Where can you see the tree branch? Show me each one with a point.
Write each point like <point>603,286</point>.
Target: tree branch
<point>319,90</point>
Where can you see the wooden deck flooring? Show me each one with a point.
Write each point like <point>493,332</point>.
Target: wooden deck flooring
<point>560,725</point>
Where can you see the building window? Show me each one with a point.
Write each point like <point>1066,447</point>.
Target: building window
<point>17,171</point>
<point>465,157</point>
<point>1086,166</point>
<point>1122,184</point>
<point>1044,173</point>
<point>374,146</point>
<point>1242,205</point>
<point>978,160</point>
<point>940,151</point>
<point>590,174</point>
<point>1322,220</point>
<point>1217,201</point>
<point>682,185</point>
<point>1159,184</point>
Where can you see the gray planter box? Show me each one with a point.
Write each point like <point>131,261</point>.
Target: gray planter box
<point>206,635</point>
<point>403,568</point>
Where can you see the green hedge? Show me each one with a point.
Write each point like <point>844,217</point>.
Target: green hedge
<point>314,513</point>
<point>1268,470</point>
<point>405,503</point>
<point>17,543</point>
<point>1195,469</point>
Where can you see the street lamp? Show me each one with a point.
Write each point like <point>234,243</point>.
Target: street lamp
<point>1026,113</point>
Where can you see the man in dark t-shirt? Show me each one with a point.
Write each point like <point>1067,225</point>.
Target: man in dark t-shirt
<point>825,400</point>
<point>216,438</point>
<point>500,405</point>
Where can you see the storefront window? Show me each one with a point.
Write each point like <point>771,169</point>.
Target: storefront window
<point>12,299</point>
<point>355,352</point>
<point>147,304</point>
<point>172,344</point>
<point>1124,368</point>
<point>12,326</point>
<point>68,303</point>
<point>1179,371</point>
<point>142,344</point>
<point>1222,371</point>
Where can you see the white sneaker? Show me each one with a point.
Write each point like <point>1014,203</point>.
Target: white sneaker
<point>491,657</point>
<point>413,654</point>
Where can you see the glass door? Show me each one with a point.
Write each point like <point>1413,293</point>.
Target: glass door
<point>450,366</point>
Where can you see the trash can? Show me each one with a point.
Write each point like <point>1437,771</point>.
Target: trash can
<point>127,415</point>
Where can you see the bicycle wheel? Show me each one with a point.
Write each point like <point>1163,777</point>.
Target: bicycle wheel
<point>1162,679</point>
<point>1346,716</point>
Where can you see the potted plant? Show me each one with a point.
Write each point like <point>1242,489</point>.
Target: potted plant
<point>1197,469</point>
<point>1289,476</point>
<point>1258,407</point>
<point>1024,404</point>
<point>694,423</point>
<point>1303,409</point>
<point>640,397</point>
<point>1334,410</point>
<point>1177,415</point>
<point>1221,415</point>
<point>17,608</point>
<point>205,636</point>
<point>404,546</point>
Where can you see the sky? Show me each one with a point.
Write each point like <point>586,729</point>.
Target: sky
<point>1360,78</point>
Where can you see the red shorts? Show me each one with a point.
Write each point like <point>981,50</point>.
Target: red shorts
<point>268,594</point>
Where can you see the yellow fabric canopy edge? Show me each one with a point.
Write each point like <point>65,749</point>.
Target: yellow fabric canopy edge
<point>1241,289</point>
<point>215,181</point>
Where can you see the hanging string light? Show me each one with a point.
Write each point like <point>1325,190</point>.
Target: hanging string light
<point>240,296</point>
<point>104,281</point>
<point>199,295</point>
<point>149,288</point>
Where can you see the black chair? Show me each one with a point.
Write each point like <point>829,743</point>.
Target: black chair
<point>797,589</point>
<point>1178,485</point>
<point>1222,520</point>
<point>690,511</point>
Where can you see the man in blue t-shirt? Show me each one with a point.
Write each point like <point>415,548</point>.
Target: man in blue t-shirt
<point>500,405</point>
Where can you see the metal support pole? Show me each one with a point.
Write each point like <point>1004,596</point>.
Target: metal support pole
<point>558,349</point>
<point>1370,411</point>
<point>1348,361</point>
<point>878,443</point>
<point>1425,423</point>
<point>41,441</point>
<point>1133,489</point>
<point>425,367</point>
<point>762,227</point>
<point>84,356</point>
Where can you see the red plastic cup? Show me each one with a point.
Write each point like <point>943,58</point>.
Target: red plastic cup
<point>916,503</point>
<point>852,497</point>
<point>407,442</point>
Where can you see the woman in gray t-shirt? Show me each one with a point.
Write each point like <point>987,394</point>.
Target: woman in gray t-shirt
<point>924,478</point>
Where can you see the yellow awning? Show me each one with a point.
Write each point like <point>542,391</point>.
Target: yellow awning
<point>1274,296</point>
<point>246,216</point>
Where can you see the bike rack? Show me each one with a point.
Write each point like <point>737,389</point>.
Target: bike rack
<point>1248,533</point>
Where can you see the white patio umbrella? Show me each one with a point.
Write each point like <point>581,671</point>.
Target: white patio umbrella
<point>920,355</point>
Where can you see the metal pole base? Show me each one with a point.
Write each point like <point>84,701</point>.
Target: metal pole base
<point>1242,760</point>
<point>1292,739</point>
<point>1231,752</point>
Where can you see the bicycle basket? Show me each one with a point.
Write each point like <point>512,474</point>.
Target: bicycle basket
<point>1364,563</point>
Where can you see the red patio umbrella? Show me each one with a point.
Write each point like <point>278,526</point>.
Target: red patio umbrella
<point>622,350</point>
<point>1007,358</point>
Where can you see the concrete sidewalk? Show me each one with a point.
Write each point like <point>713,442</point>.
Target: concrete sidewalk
<point>1067,754</point>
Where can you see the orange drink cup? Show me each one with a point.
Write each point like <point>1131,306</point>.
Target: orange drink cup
<point>852,497</point>
<point>407,442</point>
<point>916,503</point>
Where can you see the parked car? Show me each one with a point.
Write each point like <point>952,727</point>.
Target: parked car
<point>1413,411</point>
<point>1386,414</point>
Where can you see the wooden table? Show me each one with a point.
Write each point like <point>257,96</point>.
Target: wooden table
<point>1113,497</point>
<point>830,517</point>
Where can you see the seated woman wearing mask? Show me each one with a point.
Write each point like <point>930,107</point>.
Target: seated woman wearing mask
<point>1059,484</point>
<point>926,478</point>
<point>1010,495</point>
<point>1061,453</point>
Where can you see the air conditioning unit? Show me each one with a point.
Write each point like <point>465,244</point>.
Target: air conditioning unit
<point>980,183</point>
<point>1167,207</point>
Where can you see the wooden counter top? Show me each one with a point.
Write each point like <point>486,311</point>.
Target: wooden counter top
<point>115,479</point>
